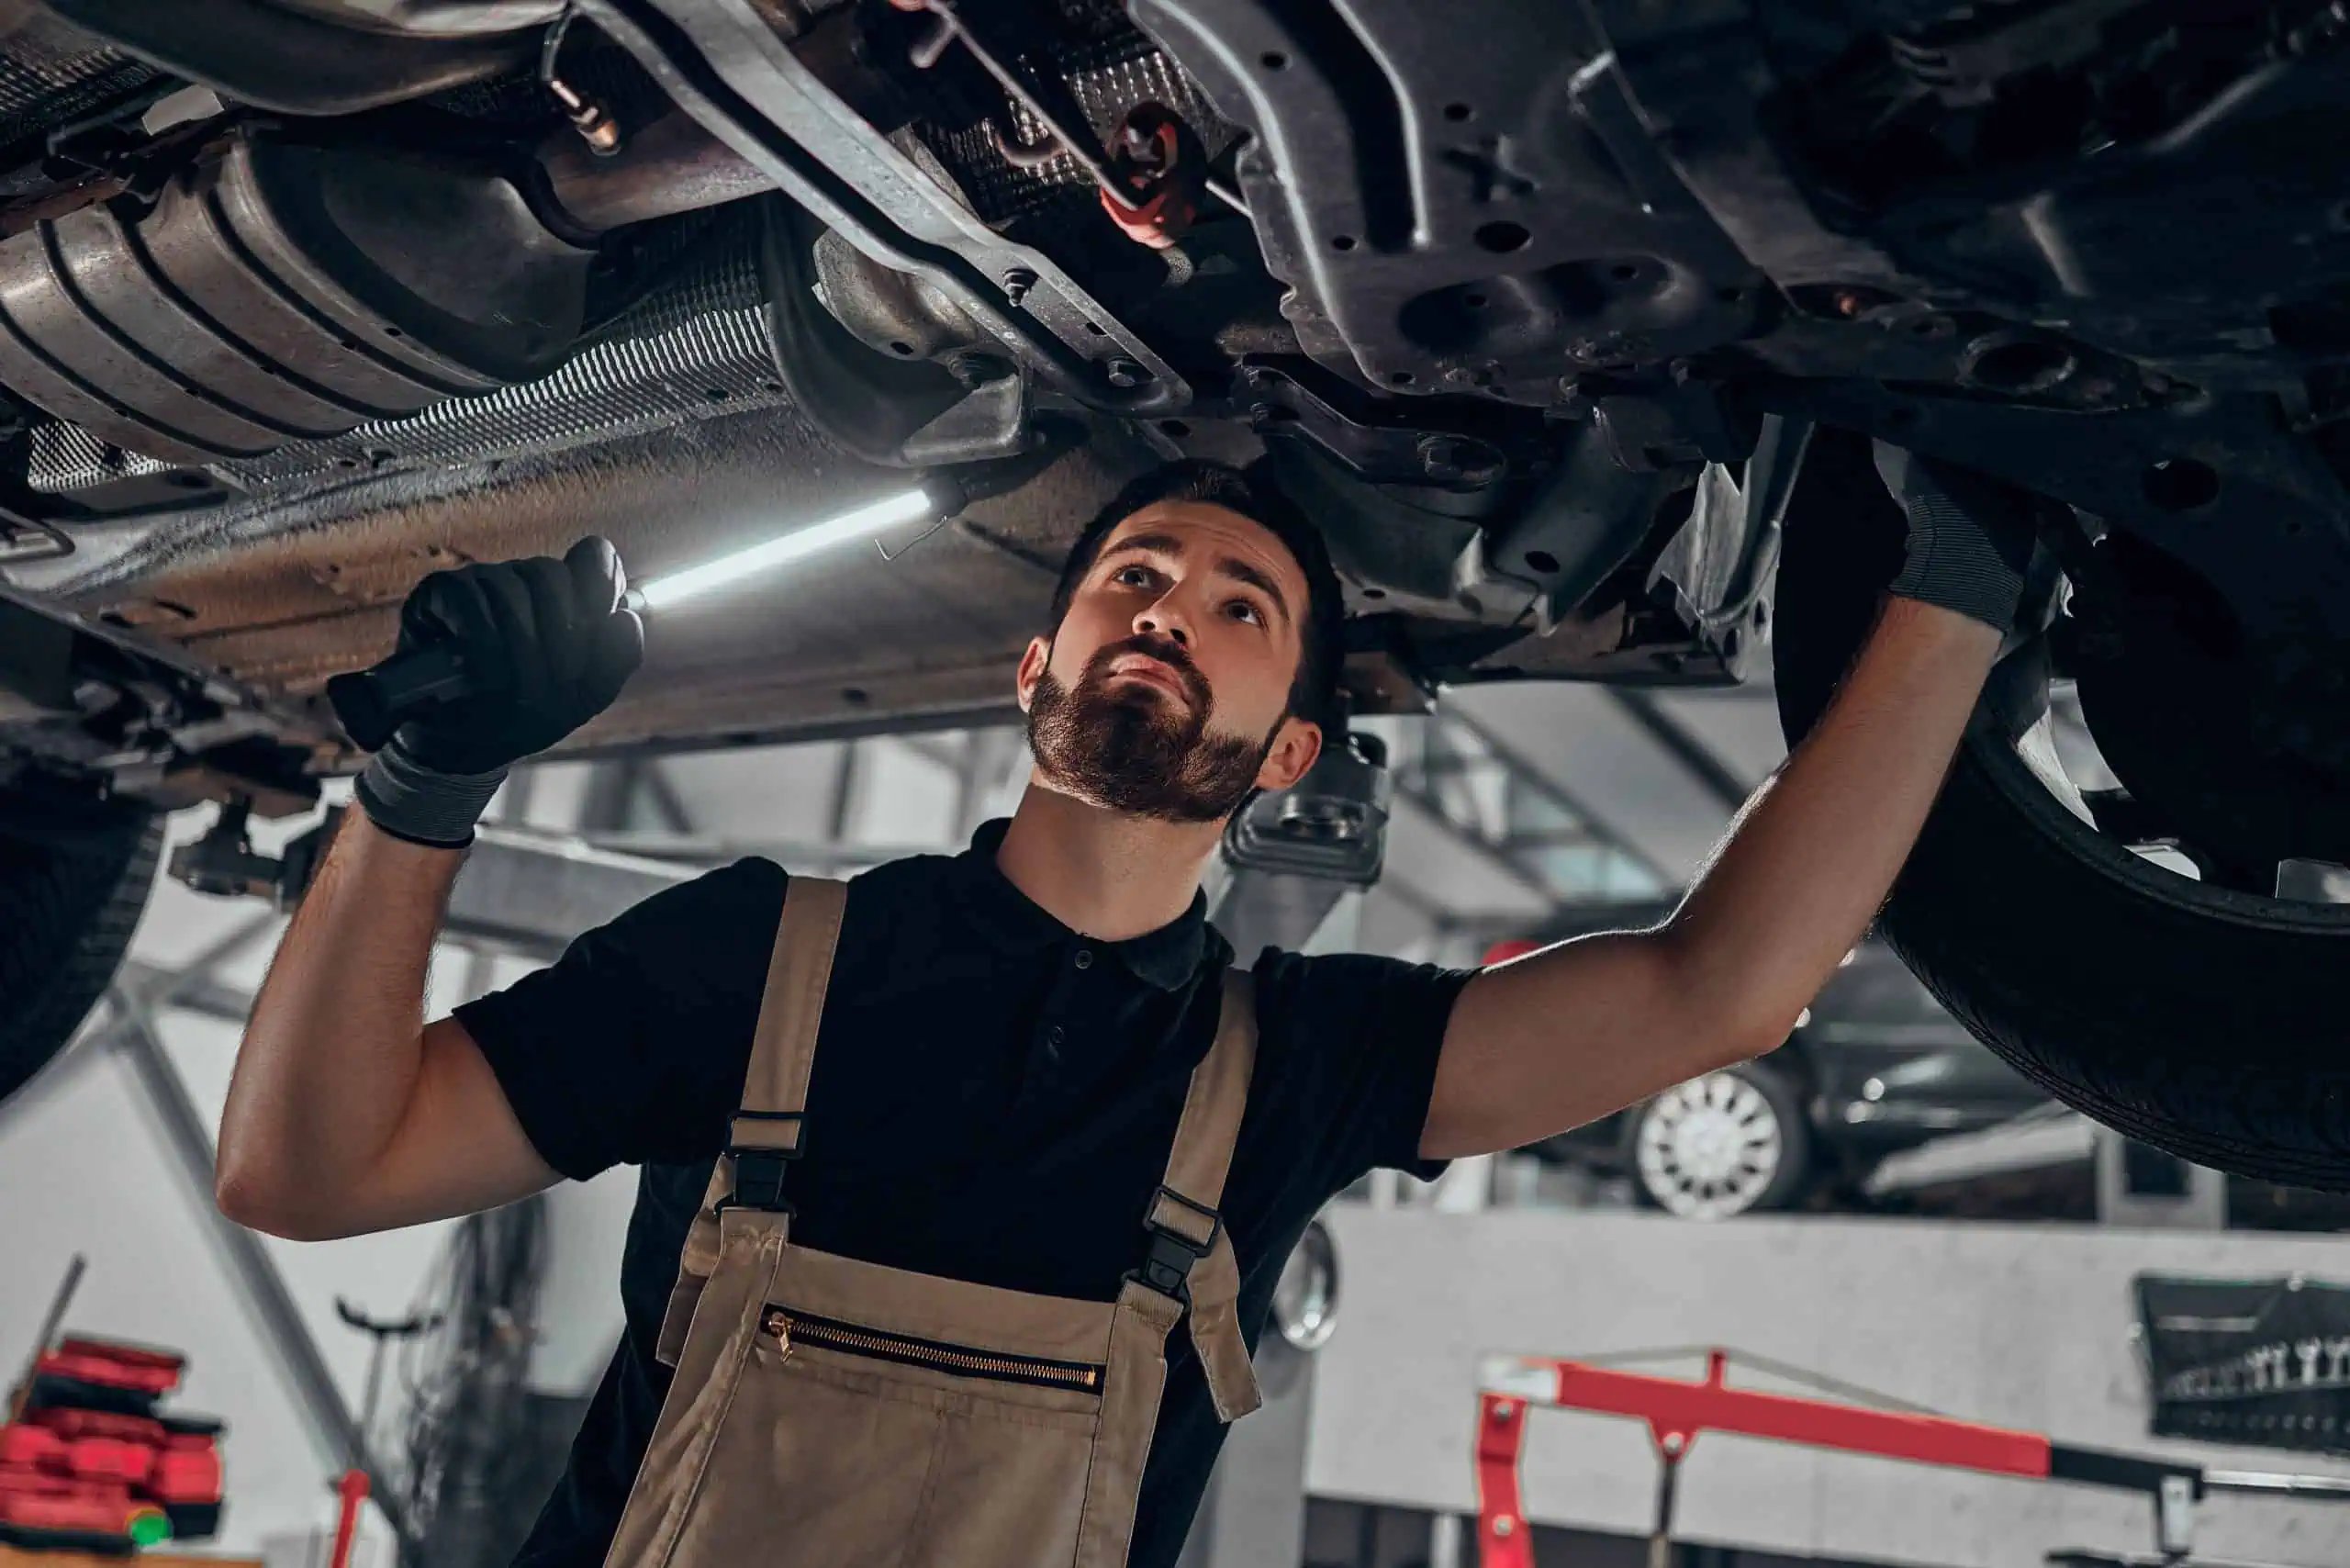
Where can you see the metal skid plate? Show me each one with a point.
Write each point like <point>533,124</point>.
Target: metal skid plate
<point>2001,278</point>
<point>726,64</point>
<point>1460,195</point>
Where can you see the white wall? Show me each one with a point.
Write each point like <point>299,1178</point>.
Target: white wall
<point>2019,1327</point>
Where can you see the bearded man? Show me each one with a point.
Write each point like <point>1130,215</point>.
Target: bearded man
<point>935,1166</point>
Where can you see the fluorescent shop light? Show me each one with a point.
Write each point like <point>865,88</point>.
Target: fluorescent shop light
<point>784,549</point>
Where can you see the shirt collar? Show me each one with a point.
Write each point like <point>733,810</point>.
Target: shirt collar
<point>1166,958</point>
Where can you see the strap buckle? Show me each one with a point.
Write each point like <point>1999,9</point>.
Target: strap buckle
<point>759,1170</point>
<point>1170,1254</point>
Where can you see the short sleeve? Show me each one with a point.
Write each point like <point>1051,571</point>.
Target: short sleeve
<point>1349,1049</point>
<point>632,1048</point>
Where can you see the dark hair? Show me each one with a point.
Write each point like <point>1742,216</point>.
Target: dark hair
<point>1252,494</point>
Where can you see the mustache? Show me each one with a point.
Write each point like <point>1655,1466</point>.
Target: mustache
<point>1166,651</point>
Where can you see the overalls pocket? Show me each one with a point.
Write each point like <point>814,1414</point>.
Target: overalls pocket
<point>854,1447</point>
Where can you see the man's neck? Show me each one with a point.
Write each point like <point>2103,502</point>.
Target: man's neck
<point>1100,872</point>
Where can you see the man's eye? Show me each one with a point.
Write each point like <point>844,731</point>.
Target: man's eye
<point>1132,577</point>
<point>1241,610</point>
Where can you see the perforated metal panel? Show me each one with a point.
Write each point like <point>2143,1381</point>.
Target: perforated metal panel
<point>44,83</point>
<point>67,457</point>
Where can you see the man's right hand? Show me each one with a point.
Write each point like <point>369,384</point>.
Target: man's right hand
<point>342,1115</point>
<point>548,647</point>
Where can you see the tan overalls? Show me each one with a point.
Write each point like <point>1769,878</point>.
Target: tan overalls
<point>827,1413</point>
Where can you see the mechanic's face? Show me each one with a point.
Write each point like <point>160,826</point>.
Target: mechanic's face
<point>1164,692</point>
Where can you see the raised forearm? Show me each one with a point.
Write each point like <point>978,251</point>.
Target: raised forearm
<point>346,1113</point>
<point>1590,1027</point>
<point>1804,867</point>
<point>332,1054</point>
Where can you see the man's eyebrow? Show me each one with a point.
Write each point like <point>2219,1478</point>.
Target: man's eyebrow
<point>1161,543</point>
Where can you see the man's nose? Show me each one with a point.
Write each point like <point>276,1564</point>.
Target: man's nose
<point>1165,619</point>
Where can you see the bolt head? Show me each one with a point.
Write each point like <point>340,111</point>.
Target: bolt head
<point>1505,1525</point>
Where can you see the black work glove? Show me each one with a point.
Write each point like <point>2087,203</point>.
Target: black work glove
<point>1970,536</point>
<point>547,647</point>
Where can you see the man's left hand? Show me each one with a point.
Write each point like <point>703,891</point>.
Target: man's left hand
<point>1970,536</point>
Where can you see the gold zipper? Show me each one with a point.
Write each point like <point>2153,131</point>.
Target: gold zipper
<point>789,1330</point>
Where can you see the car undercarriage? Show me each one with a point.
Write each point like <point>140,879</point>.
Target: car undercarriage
<point>1568,324</point>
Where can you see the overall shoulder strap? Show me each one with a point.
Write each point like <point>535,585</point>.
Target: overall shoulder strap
<point>1190,1252</point>
<point>767,1133</point>
<point>769,1128</point>
<point>1201,1155</point>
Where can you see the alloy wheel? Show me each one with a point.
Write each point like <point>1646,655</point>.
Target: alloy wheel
<point>1709,1149</point>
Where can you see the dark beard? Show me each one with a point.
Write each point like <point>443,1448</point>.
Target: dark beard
<point>1133,752</point>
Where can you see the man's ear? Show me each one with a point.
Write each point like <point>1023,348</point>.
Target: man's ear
<point>1032,671</point>
<point>1297,746</point>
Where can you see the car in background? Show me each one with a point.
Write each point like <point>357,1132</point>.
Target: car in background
<point>1875,1067</point>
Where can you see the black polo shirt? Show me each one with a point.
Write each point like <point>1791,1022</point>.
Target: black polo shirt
<point>993,1100</point>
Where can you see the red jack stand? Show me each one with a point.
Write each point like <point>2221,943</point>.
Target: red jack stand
<point>353,1490</point>
<point>352,1487</point>
<point>1677,1410</point>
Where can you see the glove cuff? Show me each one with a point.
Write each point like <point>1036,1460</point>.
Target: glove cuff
<point>423,804</point>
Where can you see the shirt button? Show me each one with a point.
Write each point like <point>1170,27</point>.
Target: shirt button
<point>1085,957</point>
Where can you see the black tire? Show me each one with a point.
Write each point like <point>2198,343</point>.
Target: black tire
<point>75,877</point>
<point>1789,1179</point>
<point>2206,1022</point>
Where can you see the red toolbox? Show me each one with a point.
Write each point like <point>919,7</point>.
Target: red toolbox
<point>91,1464</point>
